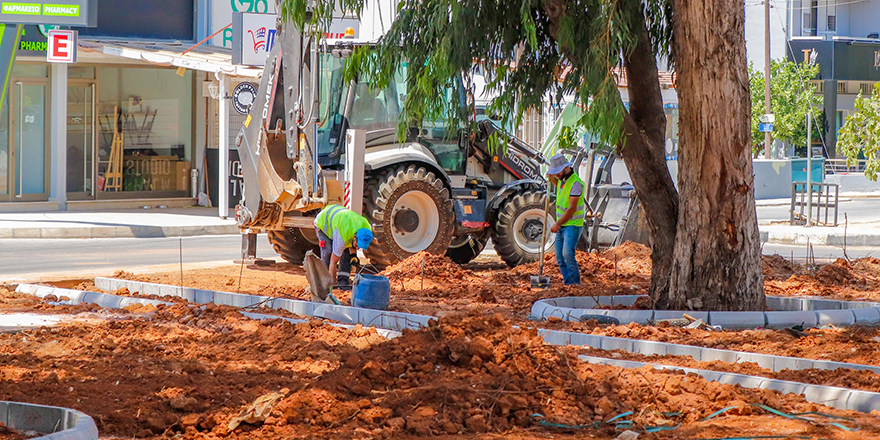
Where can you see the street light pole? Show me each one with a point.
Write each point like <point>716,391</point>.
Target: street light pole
<point>767,137</point>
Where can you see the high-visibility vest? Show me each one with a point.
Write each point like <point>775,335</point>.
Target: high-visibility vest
<point>563,201</point>
<point>339,218</point>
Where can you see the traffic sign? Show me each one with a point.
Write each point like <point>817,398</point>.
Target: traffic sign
<point>62,46</point>
<point>764,128</point>
<point>768,118</point>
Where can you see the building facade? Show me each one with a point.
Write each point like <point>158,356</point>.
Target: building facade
<point>843,38</point>
<point>131,122</point>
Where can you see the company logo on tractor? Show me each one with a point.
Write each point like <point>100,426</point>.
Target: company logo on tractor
<point>523,165</point>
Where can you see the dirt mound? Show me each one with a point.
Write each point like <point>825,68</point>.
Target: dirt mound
<point>628,250</point>
<point>594,269</point>
<point>777,265</point>
<point>436,267</point>
<point>868,266</point>
<point>123,275</point>
<point>838,273</point>
<point>481,375</point>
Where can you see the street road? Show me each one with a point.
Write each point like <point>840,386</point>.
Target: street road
<point>20,257</point>
<point>23,256</point>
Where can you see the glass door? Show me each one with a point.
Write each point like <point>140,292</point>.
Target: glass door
<point>29,148</point>
<point>80,141</point>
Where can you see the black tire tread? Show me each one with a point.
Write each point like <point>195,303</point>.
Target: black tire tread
<point>291,245</point>
<point>502,229</point>
<point>380,190</point>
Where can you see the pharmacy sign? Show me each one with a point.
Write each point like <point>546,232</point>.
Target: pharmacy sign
<point>54,12</point>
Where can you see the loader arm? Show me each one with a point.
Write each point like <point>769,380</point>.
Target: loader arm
<point>517,158</point>
<point>276,142</point>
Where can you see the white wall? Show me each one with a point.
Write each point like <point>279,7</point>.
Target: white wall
<point>864,18</point>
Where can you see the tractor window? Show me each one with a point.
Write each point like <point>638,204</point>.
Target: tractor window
<point>442,140</point>
<point>374,109</point>
<point>332,97</point>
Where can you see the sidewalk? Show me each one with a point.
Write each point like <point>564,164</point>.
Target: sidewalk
<point>863,229</point>
<point>170,222</point>
<point>861,234</point>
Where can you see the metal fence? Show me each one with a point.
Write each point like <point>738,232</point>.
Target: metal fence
<point>840,166</point>
<point>822,199</point>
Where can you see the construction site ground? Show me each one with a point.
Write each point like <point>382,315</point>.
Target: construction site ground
<point>207,372</point>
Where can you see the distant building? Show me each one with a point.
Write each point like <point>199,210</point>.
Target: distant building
<point>844,39</point>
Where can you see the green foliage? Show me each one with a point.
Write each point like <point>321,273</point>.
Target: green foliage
<point>524,54</point>
<point>567,139</point>
<point>860,134</point>
<point>792,94</point>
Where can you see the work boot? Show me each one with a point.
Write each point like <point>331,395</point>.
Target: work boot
<point>343,282</point>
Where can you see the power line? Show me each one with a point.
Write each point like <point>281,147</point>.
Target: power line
<point>761,3</point>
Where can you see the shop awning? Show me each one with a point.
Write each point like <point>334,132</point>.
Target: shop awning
<point>203,58</point>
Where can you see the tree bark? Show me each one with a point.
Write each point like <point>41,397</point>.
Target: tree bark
<point>645,155</point>
<point>717,259</point>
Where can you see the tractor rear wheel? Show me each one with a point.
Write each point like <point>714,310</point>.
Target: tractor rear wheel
<point>518,228</point>
<point>465,248</point>
<point>292,244</point>
<point>411,211</point>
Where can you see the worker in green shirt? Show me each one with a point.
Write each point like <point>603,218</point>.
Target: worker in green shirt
<point>570,214</point>
<point>341,232</point>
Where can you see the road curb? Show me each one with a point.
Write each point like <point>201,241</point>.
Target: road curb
<point>55,423</point>
<point>831,238</point>
<point>119,231</point>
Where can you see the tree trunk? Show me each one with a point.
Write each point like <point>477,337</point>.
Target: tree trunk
<point>717,259</point>
<point>645,155</point>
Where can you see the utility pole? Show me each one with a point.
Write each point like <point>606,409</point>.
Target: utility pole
<point>767,135</point>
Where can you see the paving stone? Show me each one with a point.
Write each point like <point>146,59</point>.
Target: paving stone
<point>763,361</point>
<point>580,339</point>
<point>790,319</point>
<point>628,316</point>
<point>833,396</point>
<point>822,304</point>
<point>869,316</point>
<point>684,350</point>
<point>625,300</point>
<point>650,348</point>
<point>836,317</point>
<point>609,343</point>
<point>784,387</point>
<point>711,354</point>
<point>737,320</point>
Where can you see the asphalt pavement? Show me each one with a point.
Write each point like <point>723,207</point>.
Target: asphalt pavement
<point>34,259</point>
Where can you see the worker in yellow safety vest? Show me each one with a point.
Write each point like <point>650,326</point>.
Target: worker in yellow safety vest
<point>341,232</point>
<point>570,214</point>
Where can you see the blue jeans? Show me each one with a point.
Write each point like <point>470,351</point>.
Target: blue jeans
<point>566,242</point>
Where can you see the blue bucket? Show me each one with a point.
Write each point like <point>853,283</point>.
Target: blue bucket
<point>371,292</point>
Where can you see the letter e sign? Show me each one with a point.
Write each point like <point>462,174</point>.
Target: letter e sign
<point>61,47</point>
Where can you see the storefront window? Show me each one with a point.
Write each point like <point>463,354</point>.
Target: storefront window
<point>81,72</point>
<point>153,109</point>
<point>20,70</point>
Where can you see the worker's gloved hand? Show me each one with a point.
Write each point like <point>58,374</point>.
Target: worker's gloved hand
<point>355,261</point>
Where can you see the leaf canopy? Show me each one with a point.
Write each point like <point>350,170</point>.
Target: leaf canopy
<point>528,50</point>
